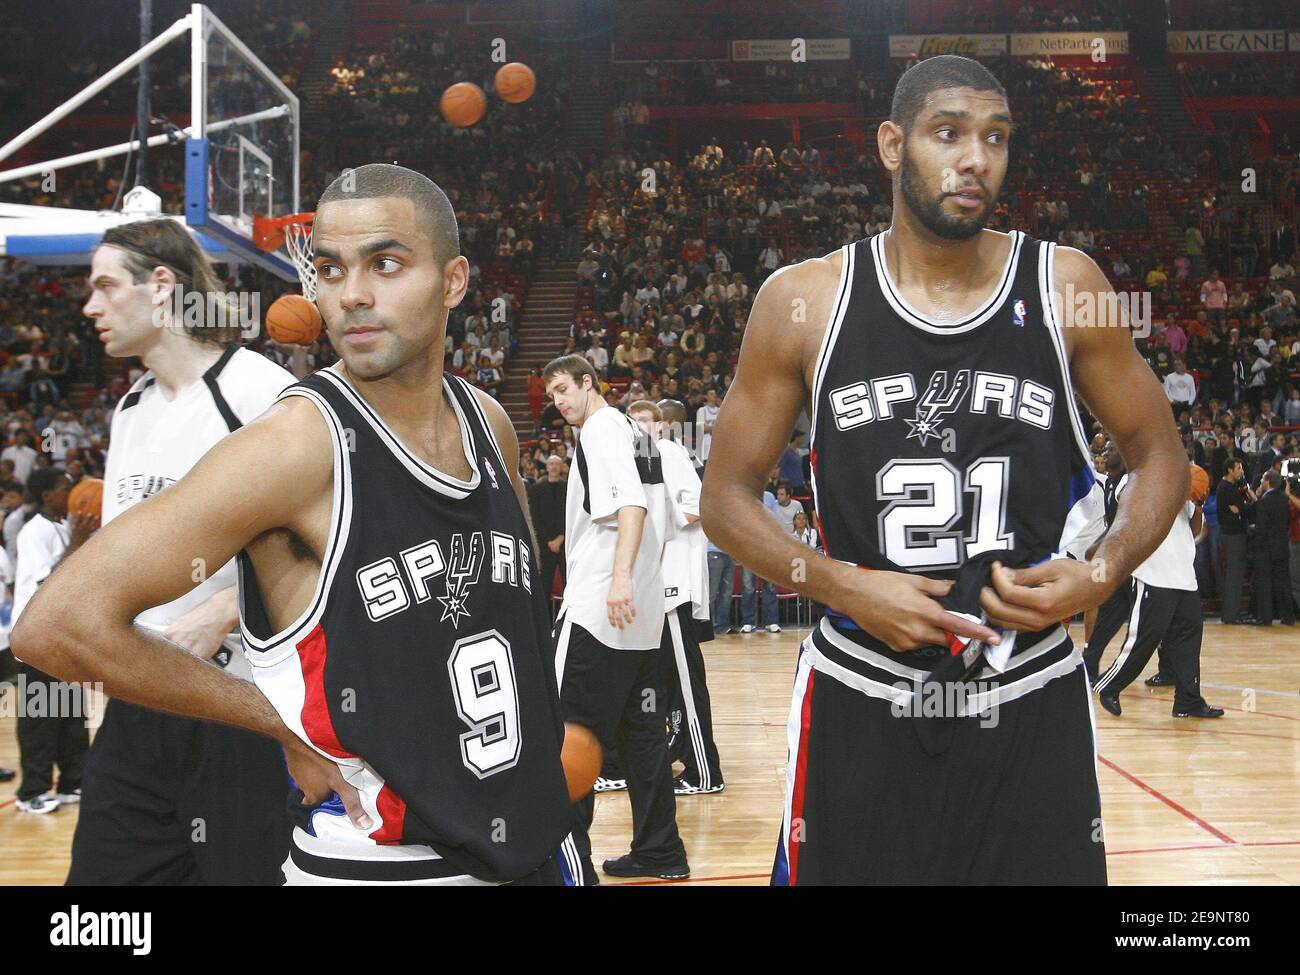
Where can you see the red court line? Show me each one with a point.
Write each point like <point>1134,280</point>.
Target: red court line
<point>1173,849</point>
<point>8,802</point>
<point>1167,801</point>
<point>1147,729</point>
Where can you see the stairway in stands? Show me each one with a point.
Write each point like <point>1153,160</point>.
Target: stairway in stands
<point>542,332</point>
<point>589,102</point>
<point>331,25</point>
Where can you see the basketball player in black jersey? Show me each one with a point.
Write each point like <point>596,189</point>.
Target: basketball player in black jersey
<point>947,456</point>
<point>389,596</point>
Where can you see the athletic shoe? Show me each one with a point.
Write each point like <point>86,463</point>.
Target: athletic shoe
<point>1159,680</point>
<point>610,785</point>
<point>774,628</point>
<point>747,628</point>
<point>684,787</point>
<point>68,798</point>
<point>1110,702</point>
<point>39,804</point>
<point>1204,711</point>
<point>7,775</point>
<point>629,865</point>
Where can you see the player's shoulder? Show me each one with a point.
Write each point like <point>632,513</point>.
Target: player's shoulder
<point>1073,265</point>
<point>674,451</point>
<point>814,275</point>
<point>498,420</point>
<point>290,437</point>
<point>256,372</point>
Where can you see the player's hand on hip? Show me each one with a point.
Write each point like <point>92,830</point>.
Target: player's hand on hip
<point>1034,599</point>
<point>202,630</point>
<point>903,610</point>
<point>319,778</point>
<point>619,603</point>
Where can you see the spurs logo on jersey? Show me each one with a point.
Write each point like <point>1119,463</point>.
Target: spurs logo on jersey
<point>387,589</point>
<point>934,442</point>
<point>423,663</point>
<point>133,488</point>
<point>1003,395</point>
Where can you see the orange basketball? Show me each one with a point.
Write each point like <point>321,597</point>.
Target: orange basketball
<point>463,104</point>
<point>1200,485</point>
<point>582,757</point>
<point>515,82</point>
<point>87,498</point>
<point>293,320</point>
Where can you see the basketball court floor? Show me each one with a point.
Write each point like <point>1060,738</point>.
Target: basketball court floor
<point>1184,801</point>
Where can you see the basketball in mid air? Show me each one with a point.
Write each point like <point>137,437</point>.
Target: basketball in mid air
<point>463,104</point>
<point>515,82</point>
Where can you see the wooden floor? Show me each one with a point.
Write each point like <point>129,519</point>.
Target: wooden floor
<point>1184,801</point>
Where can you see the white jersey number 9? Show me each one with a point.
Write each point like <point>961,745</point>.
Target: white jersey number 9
<point>483,682</point>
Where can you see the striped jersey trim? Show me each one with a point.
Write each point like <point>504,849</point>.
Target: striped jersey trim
<point>427,475</point>
<point>974,319</point>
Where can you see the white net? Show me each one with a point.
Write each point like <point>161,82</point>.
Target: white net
<point>297,241</point>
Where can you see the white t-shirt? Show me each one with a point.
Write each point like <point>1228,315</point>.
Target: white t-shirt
<point>787,513</point>
<point>706,414</point>
<point>6,581</point>
<point>24,459</point>
<point>40,546</point>
<point>155,442</point>
<point>1173,564</point>
<point>603,478</point>
<point>686,557</point>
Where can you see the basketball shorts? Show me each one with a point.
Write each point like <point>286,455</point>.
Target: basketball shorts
<point>892,780</point>
<point>168,800</point>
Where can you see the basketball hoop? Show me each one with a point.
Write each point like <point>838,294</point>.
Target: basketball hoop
<point>292,232</point>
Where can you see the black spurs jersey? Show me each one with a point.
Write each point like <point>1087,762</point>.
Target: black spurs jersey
<point>934,442</point>
<point>423,664</point>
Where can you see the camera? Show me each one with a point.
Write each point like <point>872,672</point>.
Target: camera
<point>1291,474</point>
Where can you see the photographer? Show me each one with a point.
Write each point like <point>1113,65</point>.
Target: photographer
<point>1233,498</point>
<point>1272,573</point>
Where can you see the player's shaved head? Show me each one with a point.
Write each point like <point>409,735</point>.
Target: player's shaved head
<point>934,74</point>
<point>433,210</point>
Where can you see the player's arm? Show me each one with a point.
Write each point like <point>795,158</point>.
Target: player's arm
<point>620,604</point>
<point>151,554</point>
<point>617,495</point>
<point>1122,392</point>
<point>750,434</point>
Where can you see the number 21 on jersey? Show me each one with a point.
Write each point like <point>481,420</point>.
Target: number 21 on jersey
<point>919,525</point>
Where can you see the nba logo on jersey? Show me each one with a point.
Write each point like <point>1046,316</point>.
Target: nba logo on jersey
<point>1018,313</point>
<point>492,472</point>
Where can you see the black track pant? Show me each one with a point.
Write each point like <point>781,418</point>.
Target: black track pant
<point>1171,617</point>
<point>175,801</point>
<point>618,694</point>
<point>51,731</point>
<point>689,712</point>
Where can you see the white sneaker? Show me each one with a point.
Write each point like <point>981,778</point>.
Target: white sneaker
<point>68,798</point>
<point>773,627</point>
<point>39,804</point>
<point>747,628</point>
<point>610,785</point>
